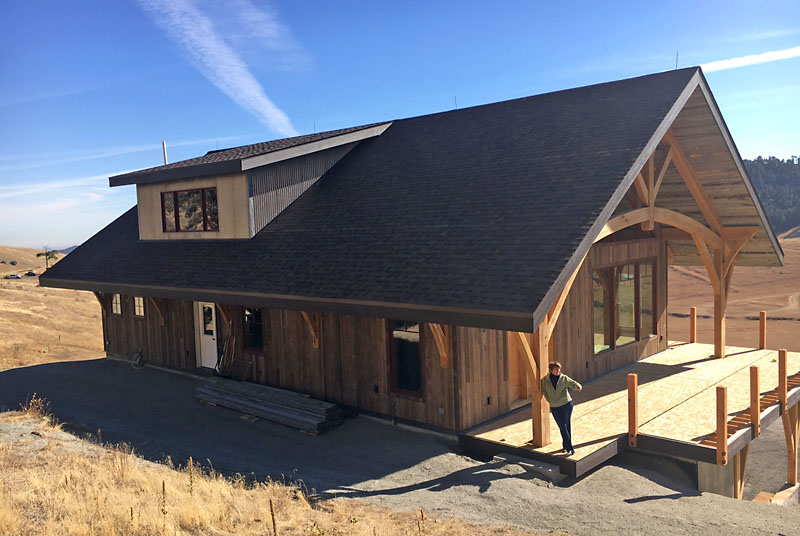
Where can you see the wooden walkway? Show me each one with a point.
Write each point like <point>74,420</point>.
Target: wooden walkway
<point>677,408</point>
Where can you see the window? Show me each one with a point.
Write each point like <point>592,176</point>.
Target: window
<point>138,306</point>
<point>190,211</point>
<point>623,304</point>
<point>405,357</point>
<point>253,330</point>
<point>116,304</point>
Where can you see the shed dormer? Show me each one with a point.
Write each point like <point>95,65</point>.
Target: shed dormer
<point>234,193</point>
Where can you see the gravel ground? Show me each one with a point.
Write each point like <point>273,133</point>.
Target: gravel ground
<point>156,413</point>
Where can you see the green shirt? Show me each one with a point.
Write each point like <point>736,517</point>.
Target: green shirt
<point>560,395</point>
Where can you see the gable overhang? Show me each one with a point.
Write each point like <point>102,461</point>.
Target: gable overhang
<point>697,82</point>
<point>237,165</point>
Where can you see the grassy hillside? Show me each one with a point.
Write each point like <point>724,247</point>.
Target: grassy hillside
<point>26,260</point>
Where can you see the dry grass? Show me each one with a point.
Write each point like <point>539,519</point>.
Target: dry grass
<point>52,483</point>
<point>44,325</point>
<point>753,289</point>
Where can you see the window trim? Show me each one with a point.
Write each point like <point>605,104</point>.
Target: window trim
<point>116,307</point>
<point>178,229</point>
<point>244,329</point>
<point>420,395</point>
<point>653,261</point>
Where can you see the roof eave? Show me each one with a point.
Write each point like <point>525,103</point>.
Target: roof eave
<point>479,318</point>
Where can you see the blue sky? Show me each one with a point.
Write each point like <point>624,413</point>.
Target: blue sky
<point>89,89</point>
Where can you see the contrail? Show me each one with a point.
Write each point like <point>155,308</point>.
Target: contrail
<point>215,59</point>
<point>753,59</point>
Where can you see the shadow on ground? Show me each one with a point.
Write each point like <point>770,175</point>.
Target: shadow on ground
<point>157,414</point>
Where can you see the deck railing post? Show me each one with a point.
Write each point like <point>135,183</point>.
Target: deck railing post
<point>633,409</point>
<point>693,324</point>
<point>783,384</point>
<point>762,330</point>
<point>722,425</point>
<point>755,401</point>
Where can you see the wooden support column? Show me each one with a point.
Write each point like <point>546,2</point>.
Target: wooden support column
<point>762,330</point>
<point>722,425</point>
<point>633,409</point>
<point>720,305</point>
<point>739,466</point>
<point>755,401</point>
<point>791,420</point>
<point>539,406</point>
<point>692,324</point>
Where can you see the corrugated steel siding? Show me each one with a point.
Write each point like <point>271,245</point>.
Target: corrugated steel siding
<point>276,186</point>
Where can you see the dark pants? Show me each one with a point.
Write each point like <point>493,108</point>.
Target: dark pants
<point>562,415</point>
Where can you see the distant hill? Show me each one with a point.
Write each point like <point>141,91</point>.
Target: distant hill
<point>67,250</point>
<point>25,259</point>
<point>778,185</point>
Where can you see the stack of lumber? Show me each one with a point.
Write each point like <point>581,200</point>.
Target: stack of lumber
<point>284,407</point>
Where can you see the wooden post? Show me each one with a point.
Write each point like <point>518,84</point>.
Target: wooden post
<point>720,304</point>
<point>783,381</point>
<point>722,425</point>
<point>755,401</point>
<point>791,429</point>
<point>633,409</point>
<point>693,324</point>
<point>762,330</point>
<point>539,406</point>
<point>739,466</point>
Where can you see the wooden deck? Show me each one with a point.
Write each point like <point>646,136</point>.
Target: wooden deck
<point>677,408</point>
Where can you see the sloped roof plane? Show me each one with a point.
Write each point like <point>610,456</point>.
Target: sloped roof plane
<point>476,216</point>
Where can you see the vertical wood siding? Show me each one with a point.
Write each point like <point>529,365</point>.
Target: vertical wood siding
<point>484,377</point>
<point>275,186</point>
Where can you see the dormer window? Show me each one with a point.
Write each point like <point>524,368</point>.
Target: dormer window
<point>190,210</point>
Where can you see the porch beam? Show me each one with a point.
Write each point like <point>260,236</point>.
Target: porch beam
<point>661,215</point>
<point>440,337</point>
<point>539,406</point>
<point>641,188</point>
<point>720,304</point>
<point>713,276</point>
<point>649,223</point>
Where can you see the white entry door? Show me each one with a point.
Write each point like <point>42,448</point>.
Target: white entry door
<point>206,323</point>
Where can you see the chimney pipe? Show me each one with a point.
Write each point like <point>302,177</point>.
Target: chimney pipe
<point>164,147</point>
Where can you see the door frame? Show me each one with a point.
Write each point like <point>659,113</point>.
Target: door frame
<point>198,333</point>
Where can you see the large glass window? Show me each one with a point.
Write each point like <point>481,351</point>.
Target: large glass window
<point>253,330</point>
<point>602,310</point>
<point>623,304</point>
<point>405,357</point>
<point>190,210</point>
<point>647,288</point>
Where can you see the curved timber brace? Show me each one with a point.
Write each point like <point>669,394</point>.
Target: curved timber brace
<point>536,350</point>
<point>101,299</point>
<point>440,337</point>
<point>725,242</point>
<point>312,321</point>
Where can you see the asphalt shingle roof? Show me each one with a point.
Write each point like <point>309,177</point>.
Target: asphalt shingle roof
<point>473,209</point>
<point>231,155</point>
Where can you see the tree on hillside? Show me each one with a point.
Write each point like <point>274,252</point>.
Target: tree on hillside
<point>778,185</point>
<point>48,254</point>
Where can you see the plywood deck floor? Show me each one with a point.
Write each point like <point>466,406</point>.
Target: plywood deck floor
<point>677,400</point>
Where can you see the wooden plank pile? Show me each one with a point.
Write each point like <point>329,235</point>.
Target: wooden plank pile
<point>284,407</point>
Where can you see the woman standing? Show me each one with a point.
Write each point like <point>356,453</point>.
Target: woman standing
<point>555,387</point>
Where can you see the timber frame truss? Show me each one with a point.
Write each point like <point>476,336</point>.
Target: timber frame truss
<point>718,246</point>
